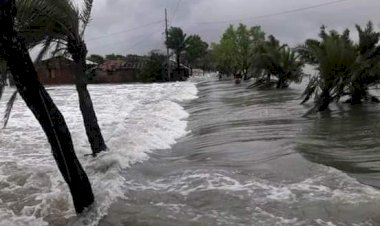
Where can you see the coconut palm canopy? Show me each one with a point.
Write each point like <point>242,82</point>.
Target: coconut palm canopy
<point>61,24</point>
<point>345,68</point>
<point>52,22</point>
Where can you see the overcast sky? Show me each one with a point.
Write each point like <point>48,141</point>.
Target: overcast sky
<point>137,26</point>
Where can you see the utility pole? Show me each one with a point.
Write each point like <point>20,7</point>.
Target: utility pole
<point>167,49</point>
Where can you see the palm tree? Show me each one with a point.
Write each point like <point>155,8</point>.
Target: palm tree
<point>280,61</point>
<point>368,58</point>
<point>3,75</point>
<point>177,42</point>
<point>335,59</point>
<point>15,52</point>
<point>290,68</point>
<point>344,68</point>
<point>62,24</point>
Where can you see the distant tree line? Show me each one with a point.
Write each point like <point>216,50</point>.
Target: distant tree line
<point>344,67</point>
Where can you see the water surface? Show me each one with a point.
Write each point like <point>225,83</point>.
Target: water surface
<point>252,159</point>
<point>204,152</point>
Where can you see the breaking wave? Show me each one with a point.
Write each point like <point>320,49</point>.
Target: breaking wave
<point>135,120</point>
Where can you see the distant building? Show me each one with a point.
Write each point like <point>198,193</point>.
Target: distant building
<point>60,70</point>
<point>118,71</point>
<point>56,71</point>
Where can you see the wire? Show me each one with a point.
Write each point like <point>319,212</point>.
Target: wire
<point>125,31</point>
<point>175,12</point>
<point>141,41</point>
<point>274,14</point>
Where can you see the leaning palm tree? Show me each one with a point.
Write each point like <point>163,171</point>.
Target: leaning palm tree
<point>345,68</point>
<point>279,61</point>
<point>61,24</point>
<point>290,68</point>
<point>334,57</point>
<point>369,61</point>
<point>15,52</point>
<point>3,75</point>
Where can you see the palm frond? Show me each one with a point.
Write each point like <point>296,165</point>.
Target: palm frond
<point>8,110</point>
<point>45,48</point>
<point>86,15</point>
<point>310,90</point>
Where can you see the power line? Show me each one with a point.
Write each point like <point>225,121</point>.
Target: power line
<point>125,31</point>
<point>175,12</point>
<point>141,41</point>
<point>274,14</point>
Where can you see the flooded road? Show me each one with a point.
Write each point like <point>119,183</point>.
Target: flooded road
<point>203,152</point>
<point>252,159</point>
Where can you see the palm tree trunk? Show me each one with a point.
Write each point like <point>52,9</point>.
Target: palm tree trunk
<point>3,78</point>
<point>39,102</point>
<point>324,101</point>
<point>78,51</point>
<point>358,93</point>
<point>178,61</point>
<point>93,131</point>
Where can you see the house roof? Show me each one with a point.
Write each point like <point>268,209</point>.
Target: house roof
<point>88,62</point>
<point>114,65</point>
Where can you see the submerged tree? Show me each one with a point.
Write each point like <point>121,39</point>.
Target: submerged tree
<point>225,53</point>
<point>237,48</point>
<point>62,24</point>
<point>279,61</point>
<point>15,52</point>
<point>368,73</point>
<point>195,49</point>
<point>344,68</point>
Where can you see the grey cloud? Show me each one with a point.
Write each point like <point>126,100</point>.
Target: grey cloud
<point>110,16</point>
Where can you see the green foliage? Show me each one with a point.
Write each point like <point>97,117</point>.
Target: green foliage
<point>207,61</point>
<point>177,42</point>
<point>58,24</point>
<point>280,61</point>
<point>237,48</point>
<point>115,57</point>
<point>153,69</point>
<point>195,49</point>
<point>96,58</point>
<point>345,68</point>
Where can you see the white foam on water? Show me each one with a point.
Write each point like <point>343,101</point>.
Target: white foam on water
<point>330,184</point>
<point>135,120</point>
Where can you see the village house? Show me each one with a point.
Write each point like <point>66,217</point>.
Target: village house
<point>60,70</point>
<point>56,71</point>
<point>118,71</point>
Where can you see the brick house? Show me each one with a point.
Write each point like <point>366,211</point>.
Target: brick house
<point>117,71</point>
<point>60,71</point>
<point>56,71</point>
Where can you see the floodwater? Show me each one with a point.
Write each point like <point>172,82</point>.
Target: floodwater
<point>203,152</point>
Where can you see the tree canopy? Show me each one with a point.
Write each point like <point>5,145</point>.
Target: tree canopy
<point>236,50</point>
<point>96,58</point>
<point>345,67</point>
<point>195,49</point>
